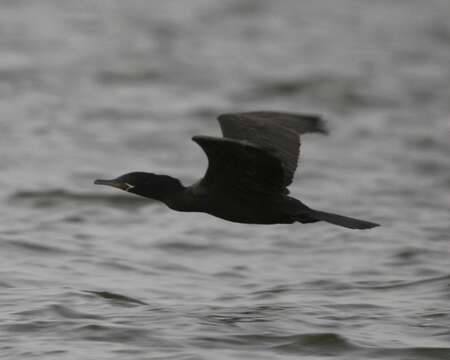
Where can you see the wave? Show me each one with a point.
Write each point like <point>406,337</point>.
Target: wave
<point>342,91</point>
<point>373,285</point>
<point>56,197</point>
<point>320,344</point>
<point>128,77</point>
<point>402,284</point>
<point>310,343</point>
<point>118,298</point>
<point>32,246</point>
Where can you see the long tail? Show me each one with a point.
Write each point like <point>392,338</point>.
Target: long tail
<point>345,221</point>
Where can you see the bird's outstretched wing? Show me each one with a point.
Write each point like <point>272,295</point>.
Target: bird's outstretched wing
<point>276,132</point>
<point>240,167</point>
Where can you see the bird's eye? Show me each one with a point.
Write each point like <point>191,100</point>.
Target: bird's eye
<point>128,187</point>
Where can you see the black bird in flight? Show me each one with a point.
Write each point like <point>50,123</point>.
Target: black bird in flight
<point>248,173</point>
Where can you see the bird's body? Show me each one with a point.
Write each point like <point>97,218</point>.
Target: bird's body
<point>248,173</point>
<point>260,210</point>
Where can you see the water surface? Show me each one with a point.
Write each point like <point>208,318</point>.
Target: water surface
<point>93,89</point>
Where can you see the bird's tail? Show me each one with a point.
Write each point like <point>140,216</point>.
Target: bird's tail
<point>345,221</point>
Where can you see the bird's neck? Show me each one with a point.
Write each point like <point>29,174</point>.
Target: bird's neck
<point>167,190</point>
<point>172,193</point>
<point>181,199</point>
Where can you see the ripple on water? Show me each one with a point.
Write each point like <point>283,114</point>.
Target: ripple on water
<point>58,197</point>
<point>81,99</point>
<point>127,77</point>
<point>39,326</point>
<point>413,353</point>
<point>113,333</point>
<point>116,298</point>
<point>68,313</point>
<point>25,245</point>
<point>306,344</point>
<point>180,246</point>
<point>61,311</point>
<point>319,344</point>
<point>399,284</point>
<point>345,92</point>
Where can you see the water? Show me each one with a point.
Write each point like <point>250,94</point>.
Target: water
<point>93,89</point>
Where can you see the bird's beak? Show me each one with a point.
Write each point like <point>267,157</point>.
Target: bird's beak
<point>114,183</point>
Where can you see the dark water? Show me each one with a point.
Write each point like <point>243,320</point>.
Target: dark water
<point>98,88</point>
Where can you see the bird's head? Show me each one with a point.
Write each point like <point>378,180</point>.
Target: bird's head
<point>154,186</point>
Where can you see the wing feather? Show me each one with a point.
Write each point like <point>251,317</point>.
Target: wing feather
<point>276,132</point>
<point>240,167</point>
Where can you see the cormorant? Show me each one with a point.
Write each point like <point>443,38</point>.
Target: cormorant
<point>249,169</point>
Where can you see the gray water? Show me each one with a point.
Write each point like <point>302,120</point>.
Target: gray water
<point>94,89</point>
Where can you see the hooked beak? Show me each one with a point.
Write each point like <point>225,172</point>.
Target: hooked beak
<point>114,183</point>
